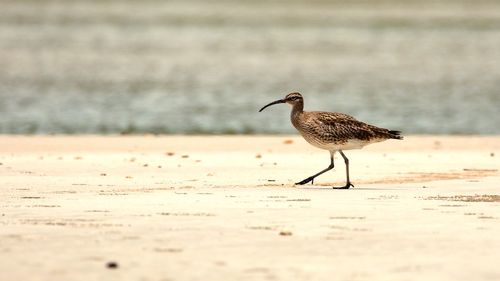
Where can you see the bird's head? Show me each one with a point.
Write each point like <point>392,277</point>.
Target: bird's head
<point>292,99</point>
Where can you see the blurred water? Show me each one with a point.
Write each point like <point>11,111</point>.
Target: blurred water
<point>97,66</point>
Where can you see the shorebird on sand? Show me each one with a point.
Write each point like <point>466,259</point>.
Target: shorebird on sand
<point>333,131</point>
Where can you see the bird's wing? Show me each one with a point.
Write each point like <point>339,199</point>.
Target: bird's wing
<point>339,127</point>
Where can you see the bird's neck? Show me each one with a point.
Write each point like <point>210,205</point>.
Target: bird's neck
<point>297,110</point>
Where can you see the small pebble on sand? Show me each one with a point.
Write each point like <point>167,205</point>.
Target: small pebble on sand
<point>112,265</point>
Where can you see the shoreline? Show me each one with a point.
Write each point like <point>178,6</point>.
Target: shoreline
<point>226,208</point>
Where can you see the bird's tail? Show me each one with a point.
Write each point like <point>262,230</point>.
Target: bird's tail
<point>395,135</point>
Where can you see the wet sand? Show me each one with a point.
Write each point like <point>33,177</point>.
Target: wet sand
<point>225,208</point>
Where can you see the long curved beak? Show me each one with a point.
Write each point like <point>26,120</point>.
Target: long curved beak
<point>273,103</point>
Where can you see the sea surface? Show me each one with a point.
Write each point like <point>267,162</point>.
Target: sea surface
<point>190,67</point>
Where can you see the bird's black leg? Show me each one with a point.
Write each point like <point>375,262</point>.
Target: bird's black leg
<point>311,178</point>
<point>346,161</point>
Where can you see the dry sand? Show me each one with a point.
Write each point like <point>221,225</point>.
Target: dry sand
<point>225,208</point>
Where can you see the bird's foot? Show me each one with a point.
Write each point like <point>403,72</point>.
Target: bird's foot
<point>309,179</point>
<point>347,186</point>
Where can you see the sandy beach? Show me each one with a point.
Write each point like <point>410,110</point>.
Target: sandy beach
<point>226,208</point>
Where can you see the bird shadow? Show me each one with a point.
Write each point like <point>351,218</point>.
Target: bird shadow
<point>378,188</point>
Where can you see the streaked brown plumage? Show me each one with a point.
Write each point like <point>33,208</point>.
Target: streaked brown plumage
<point>332,131</point>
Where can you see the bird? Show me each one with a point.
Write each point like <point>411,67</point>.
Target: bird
<point>332,131</point>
